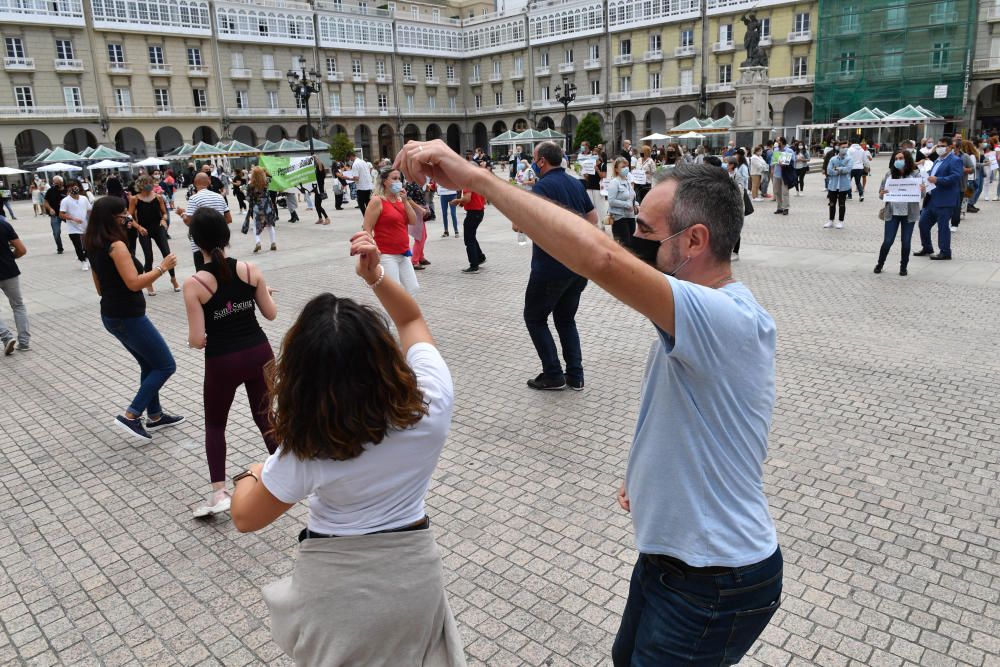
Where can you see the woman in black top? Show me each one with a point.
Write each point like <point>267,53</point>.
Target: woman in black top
<point>320,192</point>
<point>220,301</point>
<point>119,281</point>
<point>148,225</point>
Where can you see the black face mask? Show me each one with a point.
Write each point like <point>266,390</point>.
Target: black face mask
<point>644,249</point>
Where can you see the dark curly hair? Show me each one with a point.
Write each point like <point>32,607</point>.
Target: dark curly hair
<point>340,382</point>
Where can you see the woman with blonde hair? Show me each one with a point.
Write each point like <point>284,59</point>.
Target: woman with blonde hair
<point>260,208</point>
<point>387,218</point>
<point>147,224</point>
<point>361,420</point>
<point>647,167</point>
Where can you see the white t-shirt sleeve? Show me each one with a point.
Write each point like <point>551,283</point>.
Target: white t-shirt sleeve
<point>433,376</point>
<point>287,477</point>
<point>710,326</point>
<point>63,205</point>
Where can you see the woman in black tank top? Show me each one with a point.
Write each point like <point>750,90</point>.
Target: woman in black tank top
<point>222,299</point>
<point>149,225</point>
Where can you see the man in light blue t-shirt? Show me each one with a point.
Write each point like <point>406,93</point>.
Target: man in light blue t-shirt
<point>709,573</point>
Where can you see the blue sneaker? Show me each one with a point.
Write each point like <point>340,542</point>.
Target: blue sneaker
<point>164,421</point>
<point>133,427</point>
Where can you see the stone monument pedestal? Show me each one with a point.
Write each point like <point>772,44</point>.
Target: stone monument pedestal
<point>752,124</point>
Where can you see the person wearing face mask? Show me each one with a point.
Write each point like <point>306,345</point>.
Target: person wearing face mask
<point>838,184</point>
<point>947,175</point>
<point>74,210</point>
<point>148,225</point>
<point>593,182</point>
<point>898,216</point>
<point>621,203</point>
<point>974,157</point>
<point>707,534</point>
<point>757,169</point>
<point>388,217</point>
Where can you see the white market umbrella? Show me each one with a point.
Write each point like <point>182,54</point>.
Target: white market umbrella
<point>150,162</point>
<point>691,135</point>
<point>10,171</point>
<point>656,136</point>
<point>107,164</point>
<point>59,166</point>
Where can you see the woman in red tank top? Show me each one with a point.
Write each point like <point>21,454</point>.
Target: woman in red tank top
<point>387,218</point>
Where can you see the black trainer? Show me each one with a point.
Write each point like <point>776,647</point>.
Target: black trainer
<point>471,269</point>
<point>133,428</point>
<point>164,421</point>
<point>548,382</point>
<point>574,384</point>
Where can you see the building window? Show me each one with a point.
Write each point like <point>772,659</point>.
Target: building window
<point>847,63</point>
<point>725,73</point>
<point>568,56</point>
<point>939,55</point>
<point>156,55</point>
<point>116,54</point>
<point>496,68</point>
<point>262,28</point>
<point>331,66</point>
<point>765,29</point>
<point>429,70</point>
<point>654,80</point>
<point>478,101</point>
<point>452,103</point>
<point>194,57</point>
<point>436,15</point>
<point>237,58</point>
<point>335,102</point>
<point>519,95</point>
<point>200,97</point>
<point>359,101</point>
<point>450,70</point>
<point>892,61</point>
<point>687,38</point>
<point>624,84</point>
<point>242,101</point>
<point>895,15</point>
<point>595,87</point>
<point>161,97</point>
<point>801,23</point>
<point>687,80</point>
<point>123,99</point>
<point>544,92</point>
<point>849,20</point>
<point>518,64</point>
<point>800,66</point>
<point>380,67</point>
<point>272,99</point>
<point>64,49</point>
<point>356,66</point>
<point>475,71</point>
<point>363,8</point>
<point>543,59</point>
<point>414,12</point>
<point>625,47</point>
<point>655,42</point>
<point>25,98</point>
<point>73,98</point>
<point>594,52</point>
<point>432,102</point>
<point>15,47</point>
<point>383,102</point>
<point>409,102</point>
<point>407,69</point>
<point>726,34</point>
<point>498,98</point>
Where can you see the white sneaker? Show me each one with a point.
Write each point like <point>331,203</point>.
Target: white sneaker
<point>828,225</point>
<point>838,225</point>
<point>758,199</point>
<point>218,502</point>
<point>954,228</point>
<point>735,257</point>
<point>83,266</point>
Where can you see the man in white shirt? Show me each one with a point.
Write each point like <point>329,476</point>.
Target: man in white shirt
<point>203,198</point>
<point>362,180</point>
<point>74,210</point>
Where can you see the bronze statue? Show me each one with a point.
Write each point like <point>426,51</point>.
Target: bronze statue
<point>756,57</point>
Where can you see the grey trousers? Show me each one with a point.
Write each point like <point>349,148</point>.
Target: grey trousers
<point>12,288</point>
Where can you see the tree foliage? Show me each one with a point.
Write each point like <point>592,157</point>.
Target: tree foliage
<point>340,146</point>
<point>588,130</point>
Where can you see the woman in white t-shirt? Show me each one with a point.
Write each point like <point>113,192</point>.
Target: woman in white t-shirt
<point>362,421</point>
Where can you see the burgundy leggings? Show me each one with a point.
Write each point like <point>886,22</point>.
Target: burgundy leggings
<point>223,374</point>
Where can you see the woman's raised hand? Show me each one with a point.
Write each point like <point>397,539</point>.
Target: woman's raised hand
<point>363,247</point>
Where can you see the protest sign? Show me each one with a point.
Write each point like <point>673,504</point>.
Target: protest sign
<point>288,172</point>
<point>903,190</point>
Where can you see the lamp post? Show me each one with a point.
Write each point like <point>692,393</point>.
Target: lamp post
<point>303,86</point>
<point>565,94</point>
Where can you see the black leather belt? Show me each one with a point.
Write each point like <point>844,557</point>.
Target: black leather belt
<point>671,564</point>
<point>424,524</point>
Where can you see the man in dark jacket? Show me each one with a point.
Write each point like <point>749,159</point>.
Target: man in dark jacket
<point>948,178</point>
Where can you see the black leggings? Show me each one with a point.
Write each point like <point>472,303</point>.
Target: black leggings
<point>158,235</point>
<point>77,240</point>
<point>320,211</point>
<point>835,199</point>
<point>144,243</point>
<point>800,183</point>
<point>472,249</point>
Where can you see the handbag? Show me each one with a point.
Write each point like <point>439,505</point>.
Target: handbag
<point>881,213</point>
<point>747,204</point>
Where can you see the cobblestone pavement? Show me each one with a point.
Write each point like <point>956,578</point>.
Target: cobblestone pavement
<point>882,475</point>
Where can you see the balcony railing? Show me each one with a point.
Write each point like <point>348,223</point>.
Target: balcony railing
<point>359,78</point>
<point>19,64</point>
<point>652,56</point>
<point>805,80</point>
<point>993,14</point>
<point>360,111</point>
<point>592,63</point>
<point>271,74</point>
<point>68,65</point>
<point>266,111</point>
<point>517,75</point>
<point>722,47</point>
<point>565,68</point>
<point>432,81</point>
<point>986,65</point>
<point>240,73</point>
<point>159,68</point>
<point>454,82</point>
<point>685,51</point>
<point>383,78</point>
<point>334,76</point>
<point>542,70</point>
<point>474,80</point>
<point>197,70</point>
<point>653,92</point>
<point>799,36</point>
<point>130,112</point>
<point>119,68</point>
<point>719,87</point>
<point>496,77</point>
<point>47,112</point>
<point>409,79</point>
<point>623,59</point>
<point>765,40</point>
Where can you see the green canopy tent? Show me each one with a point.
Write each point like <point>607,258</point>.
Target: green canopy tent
<point>38,158</point>
<point>178,152</point>
<point>504,139</point>
<point>238,148</point>
<point>105,153</point>
<point>269,147</point>
<point>61,155</point>
<point>203,150</point>
<point>87,151</point>
<point>691,125</point>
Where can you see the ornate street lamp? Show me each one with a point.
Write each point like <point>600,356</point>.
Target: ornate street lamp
<point>565,94</point>
<point>303,85</point>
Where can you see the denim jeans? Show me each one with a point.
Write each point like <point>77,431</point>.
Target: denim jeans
<point>765,180</point>
<point>11,287</point>
<point>156,364</point>
<point>445,208</point>
<point>892,226</point>
<point>940,216</point>
<point>682,617</point>
<point>559,298</point>
<point>56,231</point>
<point>858,175</point>
<point>980,184</point>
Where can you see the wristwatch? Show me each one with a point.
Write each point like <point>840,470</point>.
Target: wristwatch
<point>245,473</point>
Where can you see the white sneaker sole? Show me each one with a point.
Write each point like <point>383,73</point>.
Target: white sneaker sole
<point>205,510</point>
<point>127,431</point>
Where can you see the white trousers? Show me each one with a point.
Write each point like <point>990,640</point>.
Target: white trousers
<point>256,236</point>
<point>599,202</point>
<point>400,269</point>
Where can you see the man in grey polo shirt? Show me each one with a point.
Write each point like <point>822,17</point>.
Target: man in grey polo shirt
<point>709,572</point>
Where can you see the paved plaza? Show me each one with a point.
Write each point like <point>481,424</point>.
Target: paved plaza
<point>882,476</point>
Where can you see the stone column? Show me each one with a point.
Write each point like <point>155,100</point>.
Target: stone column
<point>752,123</point>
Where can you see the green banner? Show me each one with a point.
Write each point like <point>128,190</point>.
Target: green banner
<point>288,172</point>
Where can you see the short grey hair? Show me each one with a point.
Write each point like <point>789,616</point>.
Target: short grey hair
<point>551,151</point>
<point>706,195</point>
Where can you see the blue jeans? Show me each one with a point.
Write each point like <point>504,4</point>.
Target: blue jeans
<point>156,364</point>
<point>445,208</point>
<point>56,231</point>
<point>940,216</point>
<point>559,298</point>
<point>858,175</point>
<point>680,616</point>
<point>892,226</point>
<point>980,184</point>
